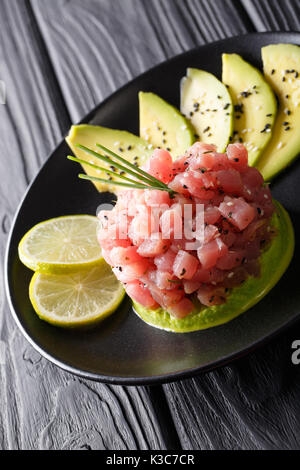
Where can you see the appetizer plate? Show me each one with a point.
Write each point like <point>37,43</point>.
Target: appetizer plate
<point>123,349</point>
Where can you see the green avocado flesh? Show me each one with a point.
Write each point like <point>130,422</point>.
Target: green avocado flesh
<point>129,146</point>
<point>254,105</point>
<point>162,125</point>
<point>281,64</point>
<point>274,262</point>
<point>206,102</point>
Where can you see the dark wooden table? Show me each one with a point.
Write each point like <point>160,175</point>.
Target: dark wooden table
<point>59,59</point>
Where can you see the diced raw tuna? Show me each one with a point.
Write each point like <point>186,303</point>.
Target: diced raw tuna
<point>231,260</point>
<point>191,286</point>
<point>210,252</point>
<point>185,265</point>
<point>131,272</point>
<point>237,211</point>
<point>183,308</point>
<point>153,246</point>
<point>156,197</point>
<point>211,215</point>
<point>238,156</point>
<point>122,256</point>
<point>230,181</point>
<point>210,295</point>
<point>165,261</point>
<point>171,224</point>
<point>160,165</point>
<point>138,292</point>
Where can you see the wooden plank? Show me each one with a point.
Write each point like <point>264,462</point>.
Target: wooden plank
<point>97,46</point>
<point>42,407</point>
<point>273,15</point>
<point>252,404</point>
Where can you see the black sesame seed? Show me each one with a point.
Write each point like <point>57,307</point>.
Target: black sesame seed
<point>240,140</point>
<point>288,112</point>
<point>129,147</point>
<point>287,96</point>
<point>296,74</point>
<point>209,135</point>
<point>163,132</point>
<point>287,128</point>
<point>273,71</point>
<point>269,115</point>
<point>258,210</point>
<point>283,79</point>
<point>226,106</point>
<point>236,159</point>
<point>164,141</point>
<point>285,123</point>
<point>168,148</point>
<point>191,113</point>
<point>184,186</point>
<point>206,129</point>
<point>245,94</point>
<point>239,108</point>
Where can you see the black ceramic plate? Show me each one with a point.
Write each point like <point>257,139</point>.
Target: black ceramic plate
<point>123,349</point>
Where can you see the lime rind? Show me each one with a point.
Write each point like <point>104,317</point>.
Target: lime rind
<point>57,300</point>
<point>82,252</point>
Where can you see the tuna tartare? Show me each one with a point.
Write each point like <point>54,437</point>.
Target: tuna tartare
<point>186,251</point>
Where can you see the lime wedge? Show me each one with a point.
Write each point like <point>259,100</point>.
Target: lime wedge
<point>78,298</point>
<point>61,245</point>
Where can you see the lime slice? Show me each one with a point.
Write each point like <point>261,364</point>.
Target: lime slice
<point>60,245</point>
<point>78,298</point>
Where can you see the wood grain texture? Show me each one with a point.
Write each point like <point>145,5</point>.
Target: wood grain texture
<point>252,404</point>
<point>42,407</point>
<point>98,45</point>
<point>273,15</point>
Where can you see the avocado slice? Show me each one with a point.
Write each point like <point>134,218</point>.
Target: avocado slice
<point>281,64</point>
<point>274,262</point>
<point>129,146</point>
<point>254,104</point>
<point>162,125</point>
<point>205,101</point>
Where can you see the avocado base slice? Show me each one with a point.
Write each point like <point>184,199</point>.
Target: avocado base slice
<point>274,262</point>
<point>205,101</point>
<point>281,64</point>
<point>163,126</point>
<point>254,103</point>
<point>127,145</point>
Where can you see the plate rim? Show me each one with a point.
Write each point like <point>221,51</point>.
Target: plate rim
<point>131,380</point>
